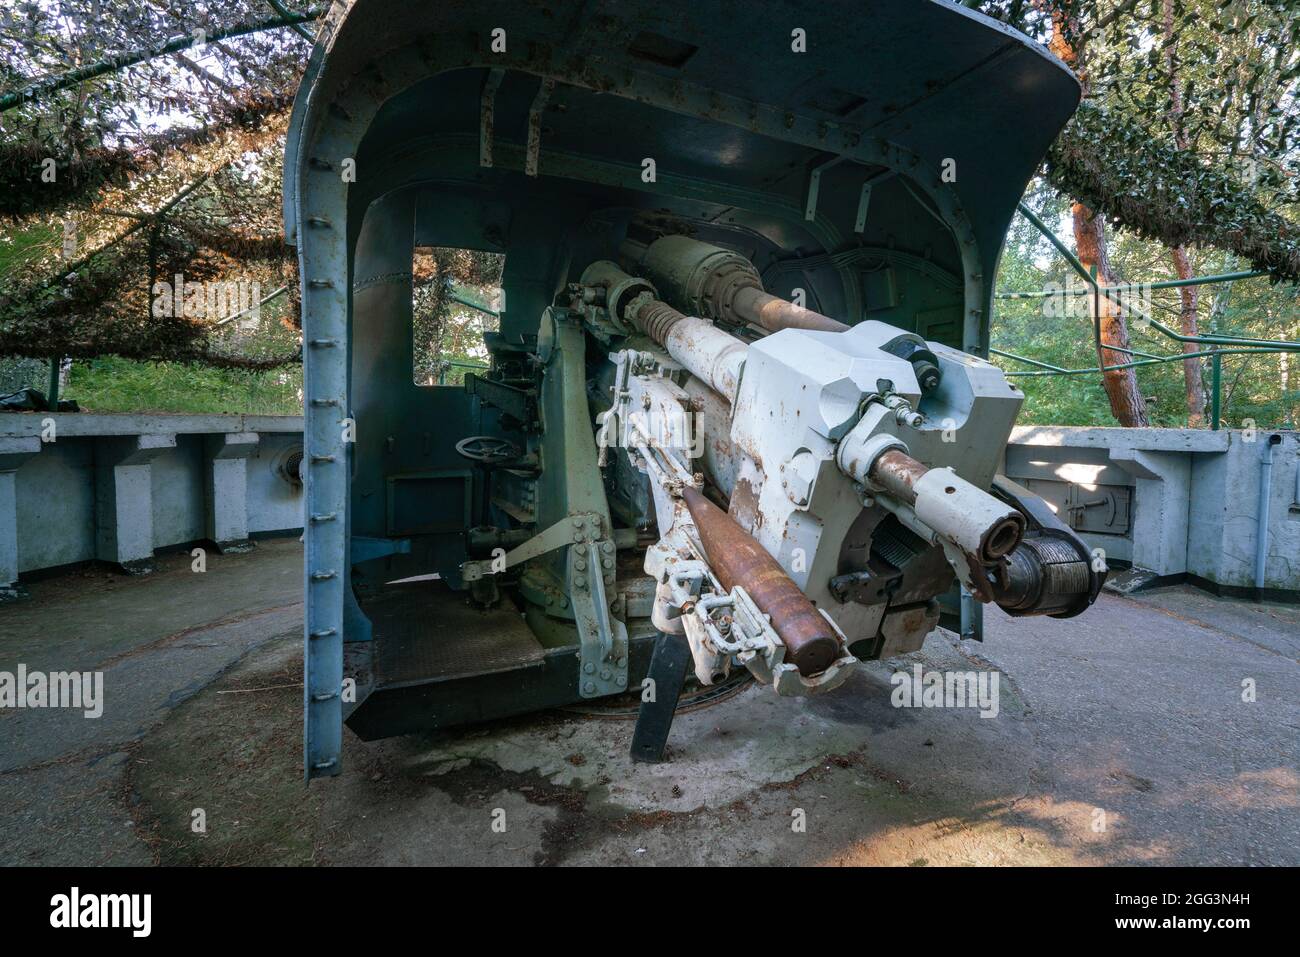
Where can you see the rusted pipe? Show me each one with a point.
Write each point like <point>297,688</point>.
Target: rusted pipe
<point>956,509</point>
<point>737,559</point>
<point>717,283</point>
<point>897,473</point>
<point>774,314</point>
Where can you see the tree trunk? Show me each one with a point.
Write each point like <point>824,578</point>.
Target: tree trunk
<point>1193,384</point>
<point>1126,402</point>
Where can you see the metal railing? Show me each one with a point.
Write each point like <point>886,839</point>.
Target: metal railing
<point>1220,345</point>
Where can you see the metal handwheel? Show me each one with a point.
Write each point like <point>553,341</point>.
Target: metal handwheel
<point>488,449</point>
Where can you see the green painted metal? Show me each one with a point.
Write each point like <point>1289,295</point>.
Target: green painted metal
<point>571,490</point>
<point>1131,286</point>
<point>735,132</point>
<point>52,394</point>
<point>1275,345</point>
<point>457,293</point>
<point>1066,253</point>
<point>1155,360</point>
<point>1216,387</point>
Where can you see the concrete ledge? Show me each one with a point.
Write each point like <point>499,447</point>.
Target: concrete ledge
<point>80,487</point>
<point>1180,504</point>
<point>1150,440</point>
<point>96,424</point>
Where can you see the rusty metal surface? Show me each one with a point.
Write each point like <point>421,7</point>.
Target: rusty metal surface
<point>737,559</point>
<point>897,473</point>
<point>774,314</point>
<point>655,318</point>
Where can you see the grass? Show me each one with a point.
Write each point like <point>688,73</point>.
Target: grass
<point>111,384</point>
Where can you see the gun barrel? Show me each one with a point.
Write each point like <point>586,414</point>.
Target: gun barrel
<point>978,523</point>
<point>737,559</point>
<point>718,283</point>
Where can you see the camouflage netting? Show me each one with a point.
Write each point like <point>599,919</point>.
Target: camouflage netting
<point>1189,137</point>
<point>444,331</point>
<point>199,203</point>
<point>1167,194</point>
<point>82,172</point>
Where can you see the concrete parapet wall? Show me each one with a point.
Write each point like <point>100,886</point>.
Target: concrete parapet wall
<point>1174,502</point>
<point>114,488</point>
<point>81,487</point>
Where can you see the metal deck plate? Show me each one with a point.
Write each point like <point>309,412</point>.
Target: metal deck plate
<point>424,631</point>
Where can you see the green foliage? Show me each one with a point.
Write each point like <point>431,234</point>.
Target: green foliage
<point>113,384</point>
<point>1262,388</point>
<point>448,336</point>
<point>1189,137</point>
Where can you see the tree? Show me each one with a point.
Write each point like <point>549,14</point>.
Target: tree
<point>1187,136</point>
<point>1069,43</point>
<point>1182,262</point>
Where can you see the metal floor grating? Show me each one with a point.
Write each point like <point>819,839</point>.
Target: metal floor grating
<point>424,631</point>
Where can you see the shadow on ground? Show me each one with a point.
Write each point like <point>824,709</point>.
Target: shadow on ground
<point>1121,737</point>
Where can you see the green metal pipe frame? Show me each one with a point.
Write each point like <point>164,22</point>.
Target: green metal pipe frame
<point>52,396</point>
<point>455,294</point>
<point>1098,289</point>
<point>1244,346</point>
<point>1129,286</point>
<point>1154,360</point>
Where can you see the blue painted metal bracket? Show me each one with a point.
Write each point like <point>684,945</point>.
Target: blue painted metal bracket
<point>367,549</point>
<point>864,199</point>
<point>814,186</point>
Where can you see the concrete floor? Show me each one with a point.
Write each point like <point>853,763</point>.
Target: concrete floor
<point>1122,738</point>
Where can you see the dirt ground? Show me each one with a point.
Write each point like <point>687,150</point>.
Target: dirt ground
<point>1121,737</point>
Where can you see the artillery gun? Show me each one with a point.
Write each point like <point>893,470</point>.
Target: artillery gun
<point>735,417</point>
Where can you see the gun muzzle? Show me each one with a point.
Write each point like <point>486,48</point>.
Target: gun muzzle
<point>974,520</point>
